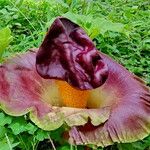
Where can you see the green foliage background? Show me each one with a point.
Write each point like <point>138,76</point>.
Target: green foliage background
<point>119,28</point>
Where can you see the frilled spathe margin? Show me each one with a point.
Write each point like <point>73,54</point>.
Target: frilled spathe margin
<point>129,118</point>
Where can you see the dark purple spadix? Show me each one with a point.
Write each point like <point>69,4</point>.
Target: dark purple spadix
<point>68,54</point>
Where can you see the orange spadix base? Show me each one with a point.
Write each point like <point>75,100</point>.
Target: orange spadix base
<point>72,97</point>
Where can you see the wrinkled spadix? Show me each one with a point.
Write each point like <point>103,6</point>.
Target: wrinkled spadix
<point>68,54</point>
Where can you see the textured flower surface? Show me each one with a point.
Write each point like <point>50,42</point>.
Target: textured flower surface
<point>68,81</point>
<point>68,54</point>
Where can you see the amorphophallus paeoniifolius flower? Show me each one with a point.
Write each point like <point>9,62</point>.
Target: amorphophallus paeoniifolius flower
<point>67,80</point>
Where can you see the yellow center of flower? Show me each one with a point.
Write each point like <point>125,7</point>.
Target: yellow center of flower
<point>72,97</point>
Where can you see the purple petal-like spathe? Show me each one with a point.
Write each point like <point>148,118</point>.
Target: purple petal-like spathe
<point>21,86</point>
<point>129,118</point>
<point>23,91</point>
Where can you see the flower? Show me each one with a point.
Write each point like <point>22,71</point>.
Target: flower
<point>69,81</point>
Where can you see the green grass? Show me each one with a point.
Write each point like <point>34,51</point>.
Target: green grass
<point>125,36</point>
